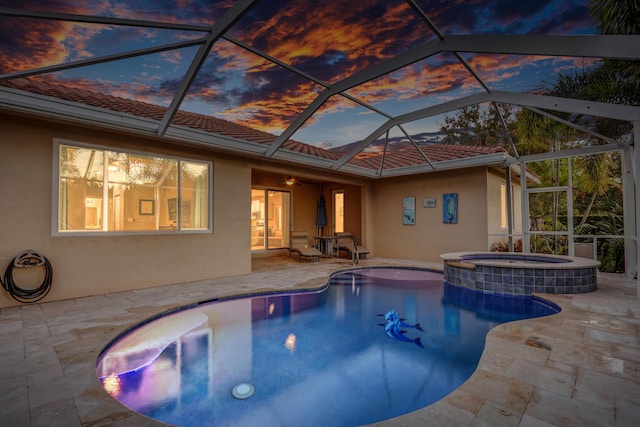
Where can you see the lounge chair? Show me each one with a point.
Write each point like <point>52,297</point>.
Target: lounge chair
<point>347,242</point>
<point>299,243</point>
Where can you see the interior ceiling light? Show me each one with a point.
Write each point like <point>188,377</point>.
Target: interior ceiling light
<point>289,180</point>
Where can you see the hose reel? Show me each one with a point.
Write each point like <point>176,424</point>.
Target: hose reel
<point>28,259</point>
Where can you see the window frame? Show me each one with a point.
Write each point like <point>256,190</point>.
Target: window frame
<point>504,208</point>
<point>56,232</point>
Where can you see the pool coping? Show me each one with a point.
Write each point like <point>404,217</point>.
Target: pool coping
<point>521,273</point>
<point>499,259</point>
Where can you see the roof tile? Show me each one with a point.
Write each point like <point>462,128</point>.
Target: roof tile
<point>407,156</point>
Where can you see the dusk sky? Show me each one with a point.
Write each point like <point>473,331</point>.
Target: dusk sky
<point>326,39</point>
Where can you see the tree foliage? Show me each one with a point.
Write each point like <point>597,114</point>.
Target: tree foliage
<point>616,16</point>
<point>478,125</point>
<point>618,78</point>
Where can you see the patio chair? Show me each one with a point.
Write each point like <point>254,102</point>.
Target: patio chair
<point>299,243</point>
<point>346,242</point>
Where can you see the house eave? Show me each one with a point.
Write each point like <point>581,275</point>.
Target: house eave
<point>493,159</point>
<point>14,100</point>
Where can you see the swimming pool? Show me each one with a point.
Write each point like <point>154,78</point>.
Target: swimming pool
<point>326,357</point>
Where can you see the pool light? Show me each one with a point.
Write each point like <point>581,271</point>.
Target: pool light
<point>243,391</point>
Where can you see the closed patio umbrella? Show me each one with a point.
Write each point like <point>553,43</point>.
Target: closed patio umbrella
<point>321,215</point>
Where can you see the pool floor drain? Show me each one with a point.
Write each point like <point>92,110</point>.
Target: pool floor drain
<point>243,391</point>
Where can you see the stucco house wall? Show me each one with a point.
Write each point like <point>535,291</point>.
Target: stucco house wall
<point>430,237</point>
<point>90,265</point>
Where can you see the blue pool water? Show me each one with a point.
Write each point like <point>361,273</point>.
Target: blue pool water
<point>314,359</point>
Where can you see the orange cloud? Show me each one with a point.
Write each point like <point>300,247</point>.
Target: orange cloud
<point>274,113</point>
<point>416,81</point>
<point>343,27</point>
<point>495,68</point>
<point>31,44</point>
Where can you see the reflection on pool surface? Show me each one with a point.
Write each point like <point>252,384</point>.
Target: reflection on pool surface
<point>313,359</point>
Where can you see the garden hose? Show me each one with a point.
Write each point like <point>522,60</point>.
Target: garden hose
<point>28,259</point>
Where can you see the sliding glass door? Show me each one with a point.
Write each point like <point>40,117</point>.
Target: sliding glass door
<point>338,211</point>
<point>270,219</point>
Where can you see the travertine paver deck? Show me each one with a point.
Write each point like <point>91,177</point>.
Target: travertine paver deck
<point>590,376</point>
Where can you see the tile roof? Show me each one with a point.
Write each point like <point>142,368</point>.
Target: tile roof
<point>435,152</point>
<point>401,157</point>
<point>140,109</point>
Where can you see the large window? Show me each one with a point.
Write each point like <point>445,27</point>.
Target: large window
<point>102,190</point>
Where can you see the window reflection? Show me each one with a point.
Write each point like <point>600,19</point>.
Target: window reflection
<point>103,190</point>
<point>270,219</point>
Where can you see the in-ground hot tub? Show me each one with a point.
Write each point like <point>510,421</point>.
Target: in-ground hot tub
<point>521,274</point>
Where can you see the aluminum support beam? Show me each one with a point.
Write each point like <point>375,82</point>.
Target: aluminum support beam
<point>629,214</point>
<point>509,201</point>
<point>101,59</point>
<point>568,105</point>
<point>505,130</point>
<point>298,122</point>
<point>417,147</point>
<point>583,151</point>
<point>569,195</point>
<point>363,144</point>
<point>104,20</point>
<point>524,197</point>
<point>631,195</point>
<point>231,16</point>
<point>636,175</point>
<point>417,9</point>
<point>585,46</point>
<point>573,125</point>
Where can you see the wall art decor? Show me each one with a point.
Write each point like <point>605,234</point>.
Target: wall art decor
<point>450,208</point>
<point>409,211</point>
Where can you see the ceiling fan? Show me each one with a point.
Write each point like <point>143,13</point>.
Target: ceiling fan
<point>289,180</point>
<point>292,180</point>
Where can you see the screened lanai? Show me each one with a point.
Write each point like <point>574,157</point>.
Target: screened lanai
<point>362,88</point>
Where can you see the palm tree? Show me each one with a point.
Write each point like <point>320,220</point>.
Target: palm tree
<point>536,133</point>
<point>594,177</point>
<point>616,16</point>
